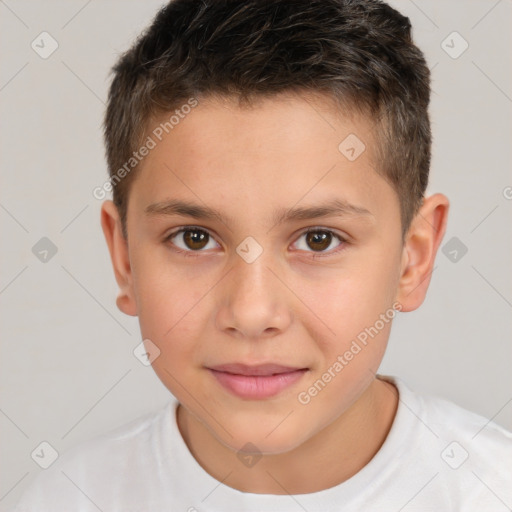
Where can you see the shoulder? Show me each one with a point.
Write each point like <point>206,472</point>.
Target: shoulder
<point>444,417</point>
<point>480,434</point>
<point>99,470</point>
<point>467,455</point>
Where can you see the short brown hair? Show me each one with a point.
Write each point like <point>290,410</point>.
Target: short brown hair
<point>360,52</point>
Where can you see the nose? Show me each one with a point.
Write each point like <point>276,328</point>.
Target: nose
<point>252,302</point>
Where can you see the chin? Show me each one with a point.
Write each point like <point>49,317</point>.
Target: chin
<point>267,442</point>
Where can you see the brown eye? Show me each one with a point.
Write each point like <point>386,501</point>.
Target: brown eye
<point>195,239</point>
<point>190,239</point>
<point>318,240</point>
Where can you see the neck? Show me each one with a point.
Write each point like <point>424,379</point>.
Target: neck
<point>332,456</point>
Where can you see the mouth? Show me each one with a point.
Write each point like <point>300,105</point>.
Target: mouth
<point>256,382</point>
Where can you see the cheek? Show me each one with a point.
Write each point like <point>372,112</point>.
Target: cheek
<point>171,309</point>
<point>349,366</point>
<point>352,300</point>
<point>166,298</point>
<point>358,308</point>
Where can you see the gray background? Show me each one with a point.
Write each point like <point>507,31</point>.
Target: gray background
<point>67,367</point>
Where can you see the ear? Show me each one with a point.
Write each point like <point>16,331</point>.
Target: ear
<point>118,247</point>
<point>420,248</point>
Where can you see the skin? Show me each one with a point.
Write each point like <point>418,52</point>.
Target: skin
<point>296,304</point>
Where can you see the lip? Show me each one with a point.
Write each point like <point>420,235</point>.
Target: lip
<point>256,382</point>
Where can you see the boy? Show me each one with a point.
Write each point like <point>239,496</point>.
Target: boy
<point>268,161</point>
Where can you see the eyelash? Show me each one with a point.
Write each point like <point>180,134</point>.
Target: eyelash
<point>314,229</point>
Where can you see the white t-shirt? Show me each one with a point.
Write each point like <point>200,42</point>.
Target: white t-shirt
<point>436,457</point>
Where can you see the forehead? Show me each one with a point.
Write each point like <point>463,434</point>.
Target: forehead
<point>277,150</point>
<point>276,123</point>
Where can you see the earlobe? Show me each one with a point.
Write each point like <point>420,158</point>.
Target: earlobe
<point>420,248</point>
<point>119,255</point>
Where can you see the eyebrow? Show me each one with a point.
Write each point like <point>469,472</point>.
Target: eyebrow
<point>335,207</point>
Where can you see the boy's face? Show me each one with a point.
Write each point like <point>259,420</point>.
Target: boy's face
<point>207,297</point>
